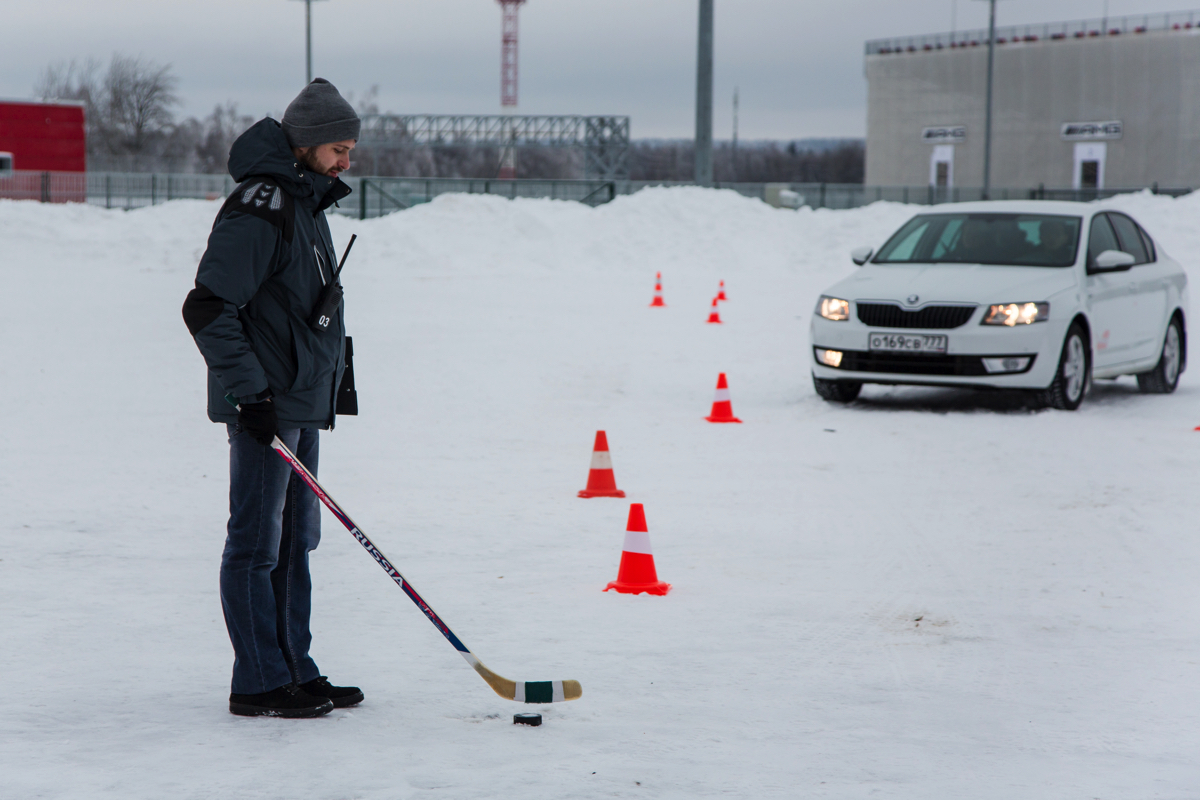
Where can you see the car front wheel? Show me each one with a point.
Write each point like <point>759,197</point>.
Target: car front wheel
<point>1165,376</point>
<point>836,391</point>
<point>1074,371</point>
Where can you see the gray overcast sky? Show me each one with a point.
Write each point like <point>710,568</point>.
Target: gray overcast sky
<point>798,63</point>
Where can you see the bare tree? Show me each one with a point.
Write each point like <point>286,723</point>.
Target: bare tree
<point>138,98</point>
<point>837,161</point>
<point>369,104</point>
<point>74,80</point>
<point>218,132</point>
<point>68,80</point>
<point>128,108</point>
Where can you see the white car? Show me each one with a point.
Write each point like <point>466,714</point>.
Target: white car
<point>1006,295</point>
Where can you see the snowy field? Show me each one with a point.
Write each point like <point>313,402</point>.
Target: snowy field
<point>928,594</point>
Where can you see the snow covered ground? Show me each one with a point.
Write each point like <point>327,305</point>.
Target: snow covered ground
<point>927,594</point>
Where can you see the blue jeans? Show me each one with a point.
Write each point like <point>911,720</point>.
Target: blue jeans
<point>274,523</point>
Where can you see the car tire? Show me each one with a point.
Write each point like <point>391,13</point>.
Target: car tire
<point>1074,373</point>
<point>836,391</point>
<point>1165,376</point>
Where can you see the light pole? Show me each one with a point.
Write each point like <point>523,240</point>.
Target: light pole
<point>704,96</point>
<point>307,42</point>
<point>987,128</point>
<point>733,153</point>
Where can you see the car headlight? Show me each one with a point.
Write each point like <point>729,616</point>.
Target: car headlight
<point>834,308</point>
<point>1011,314</point>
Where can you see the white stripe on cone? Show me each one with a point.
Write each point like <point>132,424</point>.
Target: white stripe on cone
<point>722,396</point>
<point>637,542</point>
<point>601,459</point>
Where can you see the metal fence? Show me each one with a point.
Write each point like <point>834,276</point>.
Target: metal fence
<point>112,189</point>
<point>375,196</point>
<point>378,196</point>
<point>853,195</point>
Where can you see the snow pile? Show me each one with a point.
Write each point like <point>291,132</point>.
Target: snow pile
<point>928,594</point>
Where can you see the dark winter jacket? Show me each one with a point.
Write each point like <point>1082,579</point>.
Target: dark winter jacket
<point>269,256</point>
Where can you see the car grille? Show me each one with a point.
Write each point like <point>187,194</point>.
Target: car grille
<point>888,315</point>
<point>917,364</point>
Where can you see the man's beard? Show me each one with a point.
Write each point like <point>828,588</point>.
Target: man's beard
<point>309,161</point>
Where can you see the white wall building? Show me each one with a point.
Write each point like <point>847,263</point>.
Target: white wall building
<point>1094,103</point>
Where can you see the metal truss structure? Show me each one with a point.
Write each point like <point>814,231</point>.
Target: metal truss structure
<point>603,140</point>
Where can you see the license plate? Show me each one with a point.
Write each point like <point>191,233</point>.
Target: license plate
<point>907,343</point>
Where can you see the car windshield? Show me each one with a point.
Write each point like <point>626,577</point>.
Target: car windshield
<point>1019,240</point>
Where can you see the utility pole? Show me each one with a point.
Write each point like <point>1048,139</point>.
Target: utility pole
<point>308,41</point>
<point>704,96</point>
<point>987,133</point>
<point>733,155</point>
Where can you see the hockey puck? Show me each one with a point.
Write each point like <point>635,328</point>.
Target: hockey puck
<point>527,719</point>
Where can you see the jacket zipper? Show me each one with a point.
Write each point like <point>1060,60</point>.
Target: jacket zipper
<point>320,271</point>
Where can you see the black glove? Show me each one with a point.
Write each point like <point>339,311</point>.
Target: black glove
<point>259,420</point>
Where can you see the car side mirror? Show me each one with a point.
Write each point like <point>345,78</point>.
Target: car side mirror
<point>1114,261</point>
<point>859,255</point>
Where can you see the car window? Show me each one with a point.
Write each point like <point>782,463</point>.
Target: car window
<point>1130,238</point>
<point>1034,240</point>
<point>1151,252</point>
<point>1101,238</point>
<point>948,239</point>
<point>903,249</point>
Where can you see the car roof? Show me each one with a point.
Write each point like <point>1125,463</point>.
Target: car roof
<point>1060,207</point>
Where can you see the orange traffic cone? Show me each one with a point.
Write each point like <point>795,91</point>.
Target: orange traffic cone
<point>601,481</point>
<point>722,410</point>
<point>714,315</point>
<point>636,573</point>
<point>658,298</point>
<point>721,293</point>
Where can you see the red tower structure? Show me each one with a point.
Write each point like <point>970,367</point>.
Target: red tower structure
<point>508,51</point>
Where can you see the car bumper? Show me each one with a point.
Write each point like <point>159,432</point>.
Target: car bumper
<point>961,365</point>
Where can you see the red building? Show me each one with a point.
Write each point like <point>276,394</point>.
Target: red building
<point>44,137</point>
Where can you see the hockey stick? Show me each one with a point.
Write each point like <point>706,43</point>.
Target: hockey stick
<point>522,692</point>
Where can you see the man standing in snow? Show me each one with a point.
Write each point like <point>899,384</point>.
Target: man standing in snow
<point>269,259</point>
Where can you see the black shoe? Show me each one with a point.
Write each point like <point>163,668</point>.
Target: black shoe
<point>341,696</point>
<point>286,701</point>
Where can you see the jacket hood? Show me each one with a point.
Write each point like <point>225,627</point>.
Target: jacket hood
<point>263,149</point>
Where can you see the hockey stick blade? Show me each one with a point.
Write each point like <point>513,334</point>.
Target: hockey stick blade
<point>521,691</point>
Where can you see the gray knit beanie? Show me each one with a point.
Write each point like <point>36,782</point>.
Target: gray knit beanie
<point>319,115</point>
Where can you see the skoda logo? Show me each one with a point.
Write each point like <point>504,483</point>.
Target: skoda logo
<point>912,299</point>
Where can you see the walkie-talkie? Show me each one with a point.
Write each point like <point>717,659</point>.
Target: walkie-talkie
<point>331,296</point>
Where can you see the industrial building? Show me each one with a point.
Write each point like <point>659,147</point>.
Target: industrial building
<point>1112,103</point>
<point>42,136</point>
